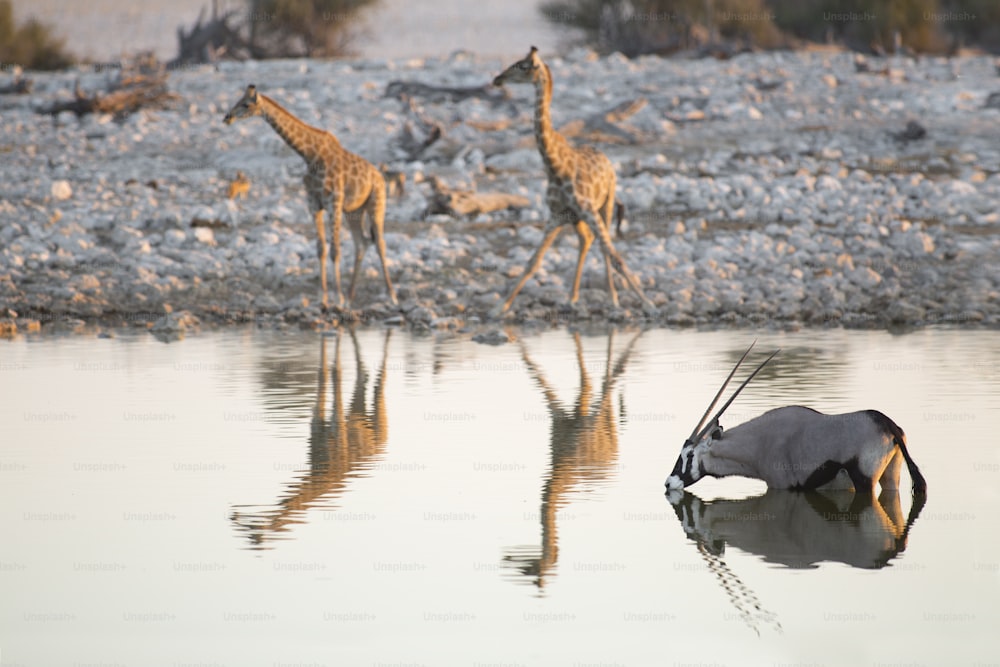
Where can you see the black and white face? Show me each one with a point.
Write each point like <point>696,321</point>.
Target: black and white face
<point>523,71</point>
<point>245,108</point>
<point>687,469</point>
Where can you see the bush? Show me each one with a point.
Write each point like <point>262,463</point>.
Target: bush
<point>635,27</point>
<point>311,28</point>
<point>30,45</point>
<point>864,24</point>
<point>972,22</point>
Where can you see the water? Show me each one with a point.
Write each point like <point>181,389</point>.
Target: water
<point>257,498</point>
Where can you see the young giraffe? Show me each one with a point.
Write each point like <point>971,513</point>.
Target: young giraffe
<point>581,189</point>
<point>336,180</point>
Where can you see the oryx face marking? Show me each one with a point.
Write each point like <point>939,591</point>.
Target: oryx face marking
<point>689,469</point>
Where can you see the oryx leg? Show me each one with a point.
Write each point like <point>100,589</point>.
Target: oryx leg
<point>888,499</point>
<point>862,482</point>
<point>889,480</point>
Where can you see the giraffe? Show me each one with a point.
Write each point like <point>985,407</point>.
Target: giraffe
<point>581,188</point>
<point>336,180</point>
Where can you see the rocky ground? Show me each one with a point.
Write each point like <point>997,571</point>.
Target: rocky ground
<point>771,189</point>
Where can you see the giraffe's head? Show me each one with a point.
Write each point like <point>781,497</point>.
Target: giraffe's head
<point>247,106</point>
<point>525,70</point>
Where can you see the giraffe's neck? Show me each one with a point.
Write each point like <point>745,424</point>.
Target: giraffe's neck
<point>551,144</point>
<point>301,138</point>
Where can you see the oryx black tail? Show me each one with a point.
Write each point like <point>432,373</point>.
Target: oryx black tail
<point>898,437</point>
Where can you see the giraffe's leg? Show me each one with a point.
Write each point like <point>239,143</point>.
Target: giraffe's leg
<point>611,282</point>
<point>336,205</point>
<point>585,238</point>
<point>376,216</point>
<point>611,255</point>
<point>355,220</point>
<point>322,250</point>
<point>552,230</point>
<point>609,211</point>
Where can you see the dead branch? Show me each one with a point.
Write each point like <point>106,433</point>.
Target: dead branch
<point>403,90</point>
<point>120,103</point>
<point>138,84</point>
<point>419,133</point>
<point>490,125</point>
<point>604,126</point>
<point>469,202</point>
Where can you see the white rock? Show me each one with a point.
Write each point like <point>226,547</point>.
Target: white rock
<point>827,183</point>
<point>492,337</point>
<point>61,190</point>
<point>205,235</point>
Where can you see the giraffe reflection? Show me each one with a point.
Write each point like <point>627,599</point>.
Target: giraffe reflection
<point>583,446</point>
<point>341,446</point>
<point>795,529</point>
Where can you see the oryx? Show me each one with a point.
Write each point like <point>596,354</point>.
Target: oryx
<point>797,448</point>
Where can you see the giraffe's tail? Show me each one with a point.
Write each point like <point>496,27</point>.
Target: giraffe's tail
<point>621,219</point>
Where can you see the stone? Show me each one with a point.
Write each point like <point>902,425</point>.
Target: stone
<point>493,337</point>
<point>61,190</point>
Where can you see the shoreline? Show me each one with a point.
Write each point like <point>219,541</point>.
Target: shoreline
<point>771,190</point>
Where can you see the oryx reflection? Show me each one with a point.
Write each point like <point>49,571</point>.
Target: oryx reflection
<point>583,446</point>
<point>797,529</point>
<point>341,444</point>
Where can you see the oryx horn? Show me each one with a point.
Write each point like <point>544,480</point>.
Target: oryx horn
<point>715,400</point>
<point>699,434</point>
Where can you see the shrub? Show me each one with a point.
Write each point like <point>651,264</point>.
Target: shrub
<point>863,24</point>
<point>30,45</point>
<point>312,28</point>
<point>635,27</point>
